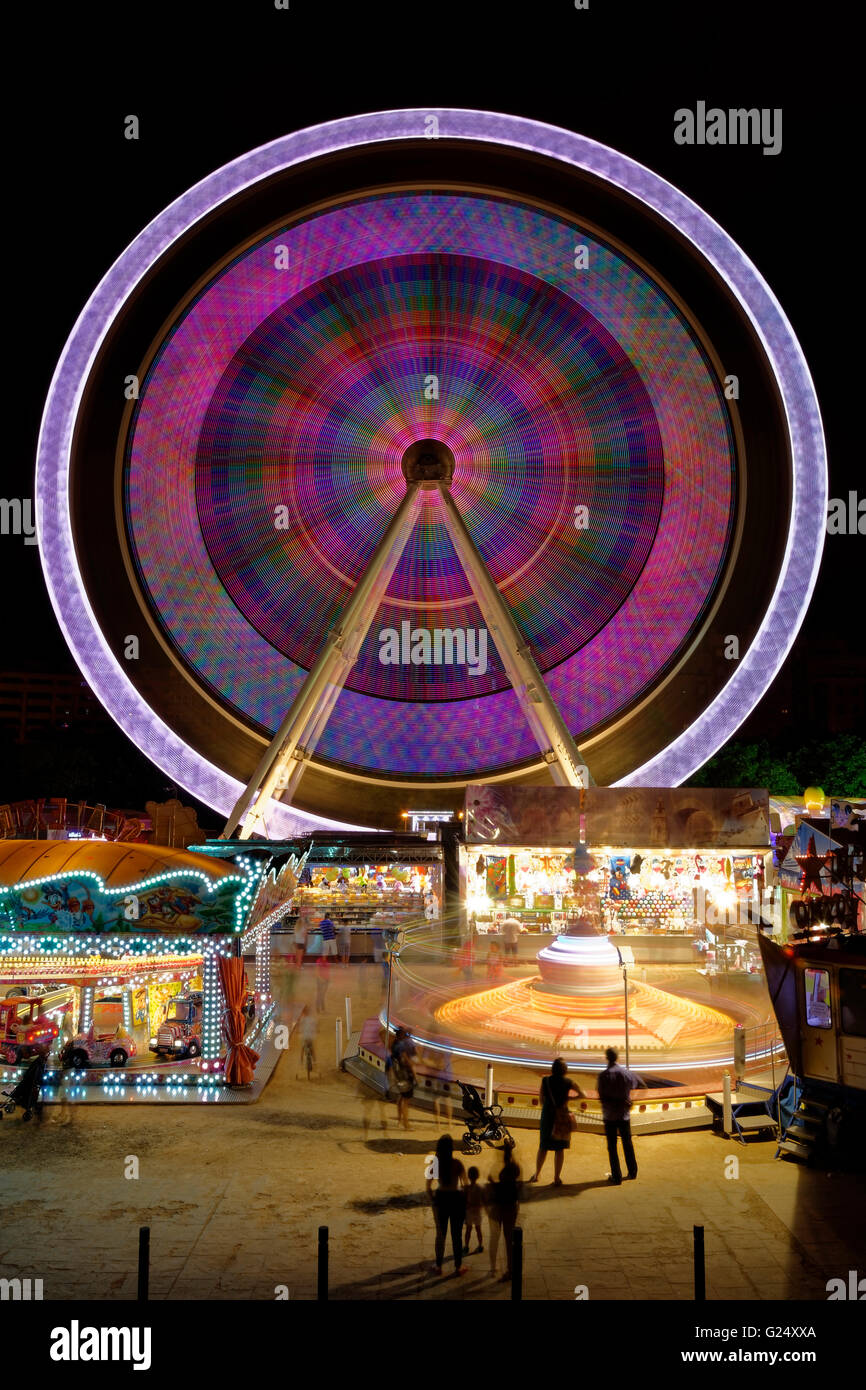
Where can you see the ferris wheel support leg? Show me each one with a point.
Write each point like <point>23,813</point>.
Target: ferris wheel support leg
<point>559,749</point>
<point>317,696</point>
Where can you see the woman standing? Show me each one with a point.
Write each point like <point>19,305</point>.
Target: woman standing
<point>301,929</point>
<point>403,1051</point>
<point>555,1125</point>
<point>448,1202</point>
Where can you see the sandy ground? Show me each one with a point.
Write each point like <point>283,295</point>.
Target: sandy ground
<point>234,1196</point>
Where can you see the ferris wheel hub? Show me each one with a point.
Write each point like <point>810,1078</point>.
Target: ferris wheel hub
<point>428,462</point>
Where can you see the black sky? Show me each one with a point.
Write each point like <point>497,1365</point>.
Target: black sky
<point>210,81</point>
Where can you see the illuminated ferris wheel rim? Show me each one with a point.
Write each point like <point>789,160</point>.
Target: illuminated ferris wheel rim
<point>798,572</point>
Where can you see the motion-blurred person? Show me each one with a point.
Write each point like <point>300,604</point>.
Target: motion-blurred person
<point>448,1202</point>
<point>494,963</point>
<point>308,1027</point>
<point>403,1051</point>
<point>466,957</point>
<point>443,1104</point>
<point>345,943</point>
<point>510,933</point>
<point>301,930</point>
<point>323,979</point>
<point>368,1098</point>
<point>615,1086</point>
<point>503,1206</point>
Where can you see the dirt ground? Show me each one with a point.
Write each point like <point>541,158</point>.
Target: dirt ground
<point>234,1195</point>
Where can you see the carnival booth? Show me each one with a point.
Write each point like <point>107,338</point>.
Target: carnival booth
<point>366,887</point>
<point>674,871</point>
<point>120,960</point>
<point>820,859</point>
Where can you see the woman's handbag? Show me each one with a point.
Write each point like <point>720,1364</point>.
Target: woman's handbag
<point>564,1123</point>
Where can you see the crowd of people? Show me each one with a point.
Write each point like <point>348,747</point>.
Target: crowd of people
<point>459,1201</point>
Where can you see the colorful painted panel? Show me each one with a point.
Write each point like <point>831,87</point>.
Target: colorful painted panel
<point>81,903</point>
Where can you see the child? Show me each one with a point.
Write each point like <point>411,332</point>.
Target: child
<point>466,958</point>
<point>494,963</point>
<point>475,1204</point>
<point>323,976</point>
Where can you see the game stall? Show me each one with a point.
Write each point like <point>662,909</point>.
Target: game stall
<point>367,888</point>
<point>679,873</point>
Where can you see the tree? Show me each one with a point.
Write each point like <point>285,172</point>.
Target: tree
<point>838,765</point>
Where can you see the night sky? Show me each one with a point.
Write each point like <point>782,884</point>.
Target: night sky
<point>209,82</point>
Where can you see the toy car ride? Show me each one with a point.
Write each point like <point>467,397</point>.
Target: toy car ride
<point>179,1034</point>
<point>32,1023</point>
<point>94,1049</point>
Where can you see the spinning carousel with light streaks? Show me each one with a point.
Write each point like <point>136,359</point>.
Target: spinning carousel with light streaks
<point>576,1007</point>
<point>438,460</point>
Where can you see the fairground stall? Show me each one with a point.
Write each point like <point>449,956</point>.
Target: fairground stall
<point>366,886</point>
<point>819,850</point>
<point>681,874</point>
<point>125,963</point>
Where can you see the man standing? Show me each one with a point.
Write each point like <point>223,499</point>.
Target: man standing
<point>615,1085</point>
<point>329,936</point>
<point>510,933</point>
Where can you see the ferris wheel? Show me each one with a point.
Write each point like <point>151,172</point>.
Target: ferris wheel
<point>428,447</point>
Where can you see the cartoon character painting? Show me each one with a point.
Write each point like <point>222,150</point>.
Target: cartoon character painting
<point>618,889</point>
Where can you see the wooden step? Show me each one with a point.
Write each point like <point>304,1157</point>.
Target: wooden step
<point>755,1122</point>
<point>802,1135</point>
<point>792,1147</point>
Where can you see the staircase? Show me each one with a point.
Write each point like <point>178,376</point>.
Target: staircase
<point>807,1123</point>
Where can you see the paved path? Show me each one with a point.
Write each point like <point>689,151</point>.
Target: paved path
<point>234,1195</point>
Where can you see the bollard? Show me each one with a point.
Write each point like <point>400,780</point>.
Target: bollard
<point>488,1089</point>
<point>348,1017</point>
<point>700,1270</point>
<point>727,1113</point>
<point>517,1264</point>
<point>740,1052</point>
<point>322,1280</point>
<point>339,1042</point>
<point>143,1263</point>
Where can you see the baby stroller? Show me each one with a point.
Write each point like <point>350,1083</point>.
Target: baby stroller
<point>27,1092</point>
<point>484,1122</point>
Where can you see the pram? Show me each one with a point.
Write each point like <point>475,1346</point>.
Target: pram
<point>484,1122</point>
<point>27,1092</point>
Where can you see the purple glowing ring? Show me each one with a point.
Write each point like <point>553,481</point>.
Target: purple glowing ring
<point>753,674</point>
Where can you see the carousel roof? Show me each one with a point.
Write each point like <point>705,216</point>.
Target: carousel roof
<point>118,864</point>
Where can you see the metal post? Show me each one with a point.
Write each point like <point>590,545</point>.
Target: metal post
<point>625,988</point>
<point>322,1275</point>
<point>517,1264</point>
<point>392,953</point>
<point>143,1263</point>
<point>727,1114</point>
<point>348,1017</point>
<point>488,1090</point>
<point>389,959</point>
<point>339,1041</point>
<point>700,1269</point>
